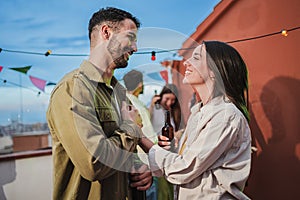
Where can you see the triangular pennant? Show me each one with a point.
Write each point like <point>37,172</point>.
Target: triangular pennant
<point>155,76</point>
<point>164,75</point>
<point>21,69</point>
<point>1,68</point>
<point>39,83</point>
<point>50,83</point>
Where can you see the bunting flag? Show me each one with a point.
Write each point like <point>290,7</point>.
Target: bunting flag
<point>1,68</point>
<point>39,83</point>
<point>164,75</point>
<point>155,76</point>
<point>21,69</point>
<point>50,83</point>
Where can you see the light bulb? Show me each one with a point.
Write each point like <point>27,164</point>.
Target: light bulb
<point>284,32</point>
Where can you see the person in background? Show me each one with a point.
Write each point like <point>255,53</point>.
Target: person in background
<point>93,130</point>
<point>167,100</point>
<point>214,157</point>
<point>133,81</point>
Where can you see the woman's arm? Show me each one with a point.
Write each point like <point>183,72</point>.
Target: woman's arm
<point>147,144</point>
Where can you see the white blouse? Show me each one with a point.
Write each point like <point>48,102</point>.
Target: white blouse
<point>215,162</point>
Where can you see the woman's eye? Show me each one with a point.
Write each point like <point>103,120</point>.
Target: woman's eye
<point>196,58</point>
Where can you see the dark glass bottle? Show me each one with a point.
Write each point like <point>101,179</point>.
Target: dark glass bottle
<point>137,194</point>
<point>157,103</point>
<point>168,130</point>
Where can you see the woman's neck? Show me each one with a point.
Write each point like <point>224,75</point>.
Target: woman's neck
<point>205,93</point>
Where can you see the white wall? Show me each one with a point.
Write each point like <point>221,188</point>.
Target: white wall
<point>26,179</point>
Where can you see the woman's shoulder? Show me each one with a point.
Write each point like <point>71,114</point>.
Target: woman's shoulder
<point>226,111</point>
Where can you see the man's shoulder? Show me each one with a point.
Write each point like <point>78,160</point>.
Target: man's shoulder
<point>68,76</point>
<point>66,79</point>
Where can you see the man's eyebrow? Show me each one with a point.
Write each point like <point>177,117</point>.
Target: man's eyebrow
<point>132,34</point>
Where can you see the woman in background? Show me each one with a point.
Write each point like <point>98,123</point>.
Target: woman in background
<point>166,100</point>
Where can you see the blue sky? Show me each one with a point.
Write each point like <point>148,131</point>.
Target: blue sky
<point>61,25</point>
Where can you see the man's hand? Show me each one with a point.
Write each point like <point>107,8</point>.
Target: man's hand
<point>141,178</point>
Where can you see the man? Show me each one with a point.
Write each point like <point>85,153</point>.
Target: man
<point>133,81</point>
<point>92,130</point>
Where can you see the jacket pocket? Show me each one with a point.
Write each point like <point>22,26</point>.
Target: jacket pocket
<point>108,119</point>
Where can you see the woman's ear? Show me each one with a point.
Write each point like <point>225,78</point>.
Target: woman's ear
<point>211,74</point>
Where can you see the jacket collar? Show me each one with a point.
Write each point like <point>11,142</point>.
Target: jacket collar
<point>215,101</point>
<point>95,74</point>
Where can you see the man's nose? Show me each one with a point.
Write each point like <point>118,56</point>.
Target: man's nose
<point>134,46</point>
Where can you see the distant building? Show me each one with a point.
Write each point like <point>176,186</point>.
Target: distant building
<point>23,137</point>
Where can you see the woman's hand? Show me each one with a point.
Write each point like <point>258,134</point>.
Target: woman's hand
<point>155,99</point>
<point>177,136</point>
<point>164,142</point>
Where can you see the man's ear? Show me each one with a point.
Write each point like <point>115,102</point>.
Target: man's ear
<point>105,31</point>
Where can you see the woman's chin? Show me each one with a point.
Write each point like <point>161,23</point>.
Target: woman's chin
<point>185,80</point>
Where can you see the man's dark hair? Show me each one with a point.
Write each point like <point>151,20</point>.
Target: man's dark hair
<point>132,79</point>
<point>112,15</point>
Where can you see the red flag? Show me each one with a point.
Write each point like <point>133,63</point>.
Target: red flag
<point>1,68</point>
<point>39,83</point>
<point>164,75</point>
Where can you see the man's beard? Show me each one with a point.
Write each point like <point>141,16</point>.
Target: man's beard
<point>117,53</point>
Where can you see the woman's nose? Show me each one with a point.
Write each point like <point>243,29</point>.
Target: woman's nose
<point>186,63</point>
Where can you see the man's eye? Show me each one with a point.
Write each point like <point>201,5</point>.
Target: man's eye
<point>132,38</point>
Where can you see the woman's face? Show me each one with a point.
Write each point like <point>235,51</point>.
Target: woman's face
<point>197,71</point>
<point>167,100</point>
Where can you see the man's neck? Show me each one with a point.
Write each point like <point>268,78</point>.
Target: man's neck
<point>107,76</point>
<point>101,59</point>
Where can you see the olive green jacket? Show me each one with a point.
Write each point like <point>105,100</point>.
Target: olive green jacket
<point>91,143</point>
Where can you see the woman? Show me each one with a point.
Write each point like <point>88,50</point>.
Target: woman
<point>214,155</point>
<point>166,100</point>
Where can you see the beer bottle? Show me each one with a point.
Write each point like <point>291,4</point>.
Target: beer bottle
<point>157,103</point>
<point>168,130</point>
<point>137,194</point>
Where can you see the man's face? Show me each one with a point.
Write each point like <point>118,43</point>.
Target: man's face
<point>123,43</point>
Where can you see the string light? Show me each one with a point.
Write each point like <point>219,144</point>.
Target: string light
<point>283,32</point>
<point>48,53</point>
<point>22,86</point>
<point>153,58</point>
